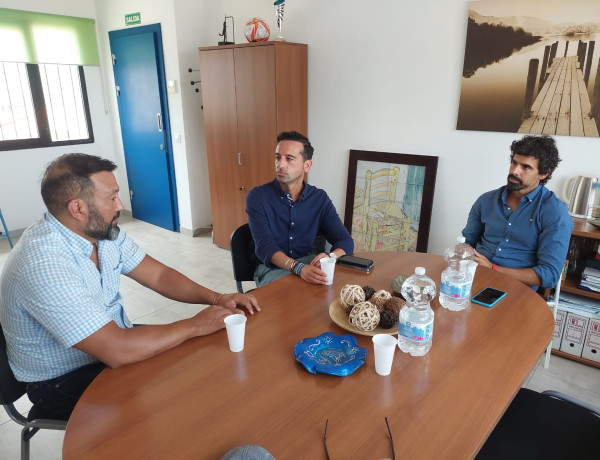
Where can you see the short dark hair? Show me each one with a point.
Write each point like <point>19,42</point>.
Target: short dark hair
<point>308,151</point>
<point>68,177</point>
<point>541,147</point>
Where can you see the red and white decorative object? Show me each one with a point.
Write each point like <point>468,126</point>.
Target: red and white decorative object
<point>257,30</point>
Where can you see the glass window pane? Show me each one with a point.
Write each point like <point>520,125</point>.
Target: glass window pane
<point>64,101</point>
<point>17,115</point>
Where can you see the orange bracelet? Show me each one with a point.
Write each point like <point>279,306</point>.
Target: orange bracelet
<point>494,267</point>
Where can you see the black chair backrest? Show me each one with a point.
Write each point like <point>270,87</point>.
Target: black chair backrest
<point>242,254</point>
<point>10,388</point>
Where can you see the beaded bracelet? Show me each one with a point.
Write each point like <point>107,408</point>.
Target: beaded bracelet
<point>286,262</point>
<point>299,268</point>
<point>294,265</point>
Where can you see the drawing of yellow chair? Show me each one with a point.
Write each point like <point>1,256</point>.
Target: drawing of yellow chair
<point>385,226</point>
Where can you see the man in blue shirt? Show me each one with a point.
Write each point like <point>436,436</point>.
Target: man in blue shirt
<point>60,307</point>
<point>286,215</point>
<point>523,229</point>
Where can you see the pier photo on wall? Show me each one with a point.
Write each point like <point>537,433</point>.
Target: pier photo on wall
<point>389,199</point>
<point>532,66</point>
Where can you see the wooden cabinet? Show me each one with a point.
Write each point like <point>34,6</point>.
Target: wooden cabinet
<point>250,93</point>
<point>571,283</point>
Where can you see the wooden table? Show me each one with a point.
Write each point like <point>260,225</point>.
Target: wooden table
<point>199,399</point>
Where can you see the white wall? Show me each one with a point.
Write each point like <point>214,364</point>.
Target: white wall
<point>383,76</point>
<point>20,170</point>
<point>386,76</point>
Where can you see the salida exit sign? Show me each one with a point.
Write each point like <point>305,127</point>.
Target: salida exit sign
<point>133,18</point>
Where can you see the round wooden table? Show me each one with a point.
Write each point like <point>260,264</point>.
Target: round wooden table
<point>199,400</point>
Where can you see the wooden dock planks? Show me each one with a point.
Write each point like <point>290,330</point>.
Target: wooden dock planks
<point>562,106</point>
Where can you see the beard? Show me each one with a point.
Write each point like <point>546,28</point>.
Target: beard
<point>512,186</point>
<point>98,229</point>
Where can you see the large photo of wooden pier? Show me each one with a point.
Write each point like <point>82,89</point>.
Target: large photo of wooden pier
<point>532,66</point>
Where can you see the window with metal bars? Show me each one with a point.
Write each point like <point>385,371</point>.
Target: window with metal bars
<point>43,105</point>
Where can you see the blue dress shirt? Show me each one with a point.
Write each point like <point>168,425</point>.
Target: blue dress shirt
<point>280,224</point>
<point>535,235</point>
<point>52,296</point>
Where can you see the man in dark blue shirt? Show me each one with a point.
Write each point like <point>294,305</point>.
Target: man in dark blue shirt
<point>523,229</point>
<point>286,215</point>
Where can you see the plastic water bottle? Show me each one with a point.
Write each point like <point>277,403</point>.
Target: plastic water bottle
<point>415,325</point>
<point>455,287</point>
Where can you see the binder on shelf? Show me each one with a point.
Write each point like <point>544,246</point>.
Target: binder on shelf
<point>559,327</point>
<point>591,346</point>
<point>574,335</point>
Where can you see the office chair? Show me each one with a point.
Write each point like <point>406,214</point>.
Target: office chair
<point>548,425</point>
<point>244,259</point>
<point>242,255</point>
<point>11,390</point>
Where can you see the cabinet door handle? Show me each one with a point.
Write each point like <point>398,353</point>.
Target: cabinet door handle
<point>240,159</point>
<point>159,121</point>
<point>242,188</point>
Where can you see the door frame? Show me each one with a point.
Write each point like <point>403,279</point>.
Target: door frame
<point>155,29</point>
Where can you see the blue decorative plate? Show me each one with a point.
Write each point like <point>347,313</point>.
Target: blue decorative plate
<point>330,354</point>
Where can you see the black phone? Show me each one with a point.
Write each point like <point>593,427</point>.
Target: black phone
<point>488,297</point>
<point>356,262</point>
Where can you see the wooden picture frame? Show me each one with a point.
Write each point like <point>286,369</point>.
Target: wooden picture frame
<point>389,198</point>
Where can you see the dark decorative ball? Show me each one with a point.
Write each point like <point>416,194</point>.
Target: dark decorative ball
<point>387,319</point>
<point>394,305</point>
<point>369,291</point>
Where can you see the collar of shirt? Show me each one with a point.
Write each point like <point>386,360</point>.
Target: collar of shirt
<point>285,195</point>
<point>529,197</point>
<point>77,243</point>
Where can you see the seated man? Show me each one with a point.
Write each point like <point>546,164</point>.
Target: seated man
<point>286,215</point>
<point>60,306</point>
<point>522,229</point>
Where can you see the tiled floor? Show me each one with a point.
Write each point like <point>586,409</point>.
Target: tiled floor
<point>202,261</point>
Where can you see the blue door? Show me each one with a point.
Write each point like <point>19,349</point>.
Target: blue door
<point>141,96</point>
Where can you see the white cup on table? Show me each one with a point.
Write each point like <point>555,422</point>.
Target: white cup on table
<point>384,346</point>
<point>328,266</point>
<point>236,328</point>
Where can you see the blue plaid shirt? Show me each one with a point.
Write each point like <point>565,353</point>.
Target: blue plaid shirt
<point>52,296</point>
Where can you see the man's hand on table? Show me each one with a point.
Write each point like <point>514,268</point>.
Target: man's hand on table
<point>313,274</point>
<point>236,300</point>
<point>481,259</point>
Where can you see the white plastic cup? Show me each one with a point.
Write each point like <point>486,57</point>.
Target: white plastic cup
<point>472,267</point>
<point>384,346</point>
<point>328,266</point>
<point>236,327</point>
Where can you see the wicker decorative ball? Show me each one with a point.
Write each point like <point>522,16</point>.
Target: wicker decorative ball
<point>387,319</point>
<point>369,291</point>
<point>351,294</point>
<point>394,305</point>
<point>380,298</point>
<point>364,316</point>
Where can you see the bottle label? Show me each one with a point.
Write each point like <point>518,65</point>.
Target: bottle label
<point>456,290</point>
<point>416,332</point>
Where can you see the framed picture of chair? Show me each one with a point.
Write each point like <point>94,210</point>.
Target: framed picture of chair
<point>389,197</point>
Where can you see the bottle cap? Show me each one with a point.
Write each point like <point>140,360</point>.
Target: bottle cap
<point>419,271</point>
<point>460,239</point>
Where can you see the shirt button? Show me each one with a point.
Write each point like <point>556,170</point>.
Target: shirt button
<point>292,223</point>
<point>506,240</point>
<point>291,237</point>
<point>499,249</point>
<point>509,223</point>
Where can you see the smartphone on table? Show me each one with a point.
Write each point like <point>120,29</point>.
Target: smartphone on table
<point>488,297</point>
<point>356,262</point>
